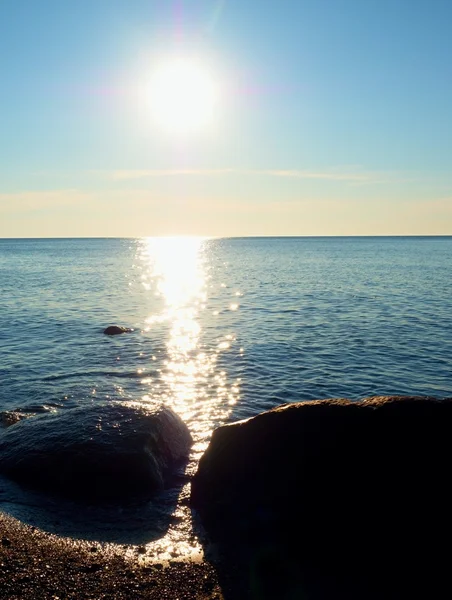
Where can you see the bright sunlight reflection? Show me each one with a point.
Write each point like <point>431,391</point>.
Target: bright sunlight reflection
<point>183,96</point>
<point>187,355</point>
<point>176,271</point>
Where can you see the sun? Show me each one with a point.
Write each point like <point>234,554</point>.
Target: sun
<point>183,96</point>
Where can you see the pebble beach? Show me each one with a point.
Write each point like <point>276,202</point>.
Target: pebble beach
<point>34,564</point>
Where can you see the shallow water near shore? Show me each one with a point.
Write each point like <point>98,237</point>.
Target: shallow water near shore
<point>222,330</point>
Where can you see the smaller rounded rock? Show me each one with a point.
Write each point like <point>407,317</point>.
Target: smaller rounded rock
<point>116,330</point>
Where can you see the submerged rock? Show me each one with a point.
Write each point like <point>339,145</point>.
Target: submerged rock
<point>116,330</point>
<point>11,417</point>
<point>354,495</point>
<point>105,451</point>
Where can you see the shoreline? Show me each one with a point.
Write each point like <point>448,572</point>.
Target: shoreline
<point>40,565</point>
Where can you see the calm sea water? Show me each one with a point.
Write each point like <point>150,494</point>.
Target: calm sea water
<point>223,328</point>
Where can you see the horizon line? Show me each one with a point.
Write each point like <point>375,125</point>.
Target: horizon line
<point>227,237</point>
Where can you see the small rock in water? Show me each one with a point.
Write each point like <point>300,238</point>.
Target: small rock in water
<point>116,330</point>
<point>11,417</point>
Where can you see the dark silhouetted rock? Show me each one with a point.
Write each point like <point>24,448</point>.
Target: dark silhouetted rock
<point>116,330</point>
<point>11,417</point>
<point>103,451</point>
<point>343,499</point>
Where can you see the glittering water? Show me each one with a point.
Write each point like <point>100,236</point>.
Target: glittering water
<point>223,329</point>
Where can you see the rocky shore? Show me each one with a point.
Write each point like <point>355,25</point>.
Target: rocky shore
<point>322,500</point>
<point>37,565</point>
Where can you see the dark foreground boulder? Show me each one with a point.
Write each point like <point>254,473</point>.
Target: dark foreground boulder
<point>104,451</point>
<point>116,330</point>
<point>336,499</point>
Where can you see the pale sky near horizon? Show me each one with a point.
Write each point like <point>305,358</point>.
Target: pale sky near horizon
<point>331,117</point>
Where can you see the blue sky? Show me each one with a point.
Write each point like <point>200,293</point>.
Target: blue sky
<point>334,118</point>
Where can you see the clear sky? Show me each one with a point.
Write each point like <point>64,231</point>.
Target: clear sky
<point>331,117</point>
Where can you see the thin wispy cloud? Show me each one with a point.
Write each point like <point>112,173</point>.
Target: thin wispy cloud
<point>356,177</point>
<point>294,174</point>
<point>149,173</point>
<point>39,200</point>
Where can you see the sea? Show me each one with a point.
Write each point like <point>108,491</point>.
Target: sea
<point>222,329</point>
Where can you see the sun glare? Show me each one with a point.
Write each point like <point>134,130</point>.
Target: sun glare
<point>183,95</point>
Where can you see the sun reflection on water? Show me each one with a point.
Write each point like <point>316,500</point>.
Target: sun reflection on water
<point>185,373</point>
<point>176,271</point>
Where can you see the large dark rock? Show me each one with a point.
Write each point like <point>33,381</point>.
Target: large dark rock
<point>104,451</point>
<point>346,499</point>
